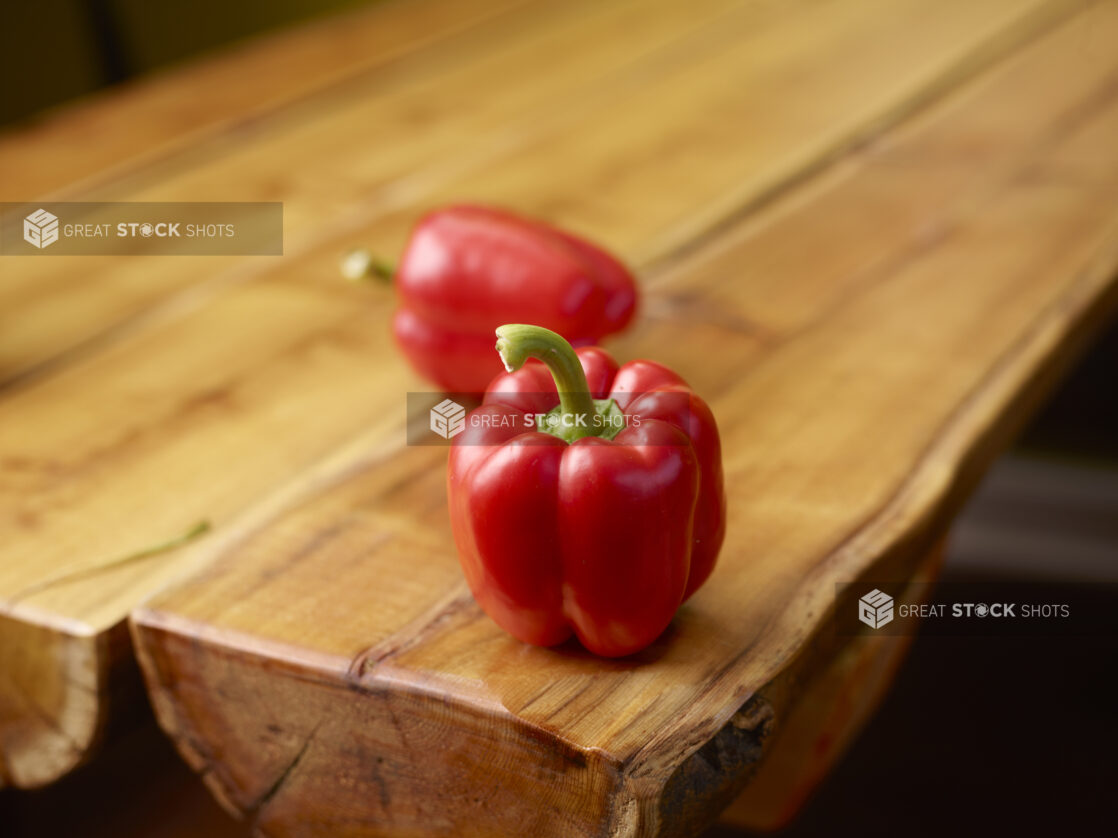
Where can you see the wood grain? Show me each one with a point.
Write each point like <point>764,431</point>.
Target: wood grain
<point>604,92</point>
<point>840,693</point>
<point>868,343</point>
<point>66,153</point>
<point>143,389</point>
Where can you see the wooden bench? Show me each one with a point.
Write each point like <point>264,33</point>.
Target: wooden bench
<point>872,234</point>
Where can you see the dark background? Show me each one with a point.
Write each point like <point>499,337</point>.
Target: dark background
<point>54,50</point>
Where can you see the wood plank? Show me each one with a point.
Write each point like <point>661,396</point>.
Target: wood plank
<point>131,125</point>
<point>826,715</point>
<point>331,670</point>
<point>316,156</point>
<point>92,453</point>
<point>585,86</point>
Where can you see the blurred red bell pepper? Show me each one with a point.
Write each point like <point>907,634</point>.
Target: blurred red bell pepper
<point>585,497</point>
<point>468,269</point>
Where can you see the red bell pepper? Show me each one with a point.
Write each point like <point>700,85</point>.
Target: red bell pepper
<point>468,269</point>
<point>585,497</point>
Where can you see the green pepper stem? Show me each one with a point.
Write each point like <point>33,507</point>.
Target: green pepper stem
<point>517,342</point>
<point>361,264</point>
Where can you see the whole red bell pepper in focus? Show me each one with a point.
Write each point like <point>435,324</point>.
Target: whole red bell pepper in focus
<point>468,269</point>
<point>584,497</point>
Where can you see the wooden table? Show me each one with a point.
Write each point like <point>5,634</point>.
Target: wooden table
<point>872,233</point>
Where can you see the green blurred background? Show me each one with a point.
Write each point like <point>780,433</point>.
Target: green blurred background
<point>54,50</point>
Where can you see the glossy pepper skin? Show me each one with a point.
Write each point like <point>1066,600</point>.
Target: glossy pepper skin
<point>468,269</point>
<point>604,538</point>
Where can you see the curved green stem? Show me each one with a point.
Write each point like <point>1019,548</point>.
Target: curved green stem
<point>517,342</point>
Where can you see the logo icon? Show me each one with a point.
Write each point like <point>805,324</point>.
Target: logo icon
<point>448,419</point>
<point>875,609</point>
<point>40,229</point>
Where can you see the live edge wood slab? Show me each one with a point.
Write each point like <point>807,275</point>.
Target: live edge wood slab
<point>871,289</point>
<point>868,344</point>
<point>141,395</point>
